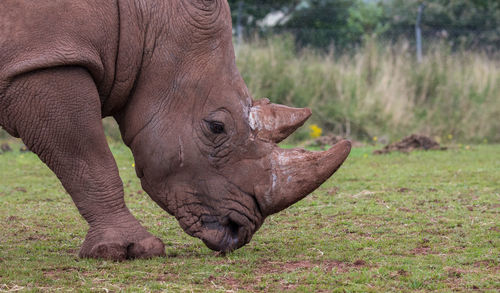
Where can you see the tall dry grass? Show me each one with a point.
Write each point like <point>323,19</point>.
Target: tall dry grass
<point>380,90</point>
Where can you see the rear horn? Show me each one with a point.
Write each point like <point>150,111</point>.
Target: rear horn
<point>274,122</point>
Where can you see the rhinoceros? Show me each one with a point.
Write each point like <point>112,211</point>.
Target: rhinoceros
<point>204,150</point>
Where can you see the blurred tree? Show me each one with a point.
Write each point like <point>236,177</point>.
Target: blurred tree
<point>366,18</point>
<point>470,23</point>
<point>254,10</point>
<point>344,23</point>
<point>321,23</point>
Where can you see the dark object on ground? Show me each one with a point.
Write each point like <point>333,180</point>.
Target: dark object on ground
<point>5,148</point>
<point>411,143</point>
<point>165,70</point>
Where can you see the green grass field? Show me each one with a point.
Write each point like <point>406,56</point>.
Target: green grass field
<point>423,221</point>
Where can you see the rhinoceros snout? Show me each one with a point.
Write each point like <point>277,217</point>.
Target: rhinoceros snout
<point>225,236</point>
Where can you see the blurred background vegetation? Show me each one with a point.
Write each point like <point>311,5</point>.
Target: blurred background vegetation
<point>345,24</point>
<point>354,63</point>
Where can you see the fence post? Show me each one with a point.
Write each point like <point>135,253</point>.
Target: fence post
<point>418,32</point>
<point>239,28</point>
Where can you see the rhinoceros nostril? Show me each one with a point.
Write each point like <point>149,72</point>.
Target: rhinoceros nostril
<point>232,238</point>
<point>233,228</point>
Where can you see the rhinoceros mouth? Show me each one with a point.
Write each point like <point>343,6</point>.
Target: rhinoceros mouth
<point>225,235</point>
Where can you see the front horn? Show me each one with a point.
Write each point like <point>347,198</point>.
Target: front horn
<point>297,172</point>
<point>274,122</point>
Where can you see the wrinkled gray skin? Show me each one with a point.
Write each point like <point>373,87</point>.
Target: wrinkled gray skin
<point>165,70</point>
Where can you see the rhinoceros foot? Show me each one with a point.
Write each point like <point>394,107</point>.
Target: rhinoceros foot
<point>120,245</point>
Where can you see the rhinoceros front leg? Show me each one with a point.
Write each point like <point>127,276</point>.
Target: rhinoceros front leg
<point>57,113</point>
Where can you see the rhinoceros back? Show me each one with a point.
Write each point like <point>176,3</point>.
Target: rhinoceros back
<point>35,35</point>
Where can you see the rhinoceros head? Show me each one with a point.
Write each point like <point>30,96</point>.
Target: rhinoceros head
<point>205,150</point>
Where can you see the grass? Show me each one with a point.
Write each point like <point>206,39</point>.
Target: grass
<point>423,221</point>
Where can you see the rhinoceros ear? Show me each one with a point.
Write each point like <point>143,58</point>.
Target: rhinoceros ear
<point>274,122</point>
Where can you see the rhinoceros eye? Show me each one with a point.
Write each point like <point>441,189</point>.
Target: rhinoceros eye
<point>216,127</point>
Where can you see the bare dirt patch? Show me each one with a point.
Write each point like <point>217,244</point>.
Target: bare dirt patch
<point>12,219</point>
<point>399,273</point>
<point>268,267</point>
<point>228,283</point>
<point>275,267</point>
<point>422,250</point>
<point>454,272</point>
<point>168,277</point>
<point>21,189</point>
<point>58,273</point>
<point>406,210</point>
<point>496,229</point>
<point>489,264</point>
<point>411,143</point>
<point>404,190</point>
